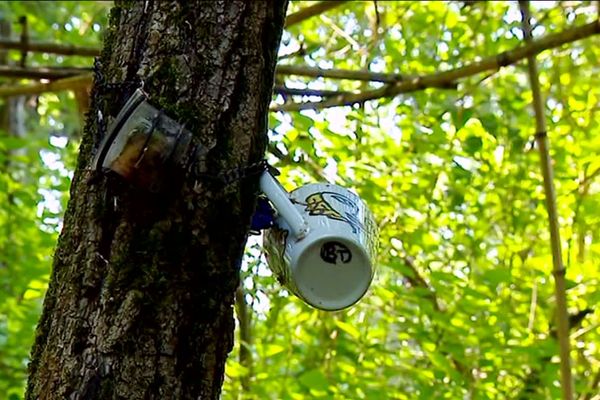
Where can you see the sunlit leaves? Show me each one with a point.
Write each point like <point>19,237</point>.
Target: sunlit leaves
<point>453,178</point>
<point>36,163</point>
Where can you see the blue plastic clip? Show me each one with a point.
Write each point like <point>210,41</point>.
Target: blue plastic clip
<point>264,216</point>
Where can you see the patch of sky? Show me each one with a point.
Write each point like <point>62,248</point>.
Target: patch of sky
<point>467,163</point>
<point>59,141</point>
<point>76,22</point>
<point>499,154</point>
<point>378,65</point>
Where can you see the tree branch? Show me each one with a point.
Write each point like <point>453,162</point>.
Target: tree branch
<point>245,333</point>
<point>401,84</point>
<point>92,51</point>
<point>416,280</point>
<point>52,48</point>
<point>333,73</point>
<point>75,78</point>
<point>588,179</point>
<point>71,83</point>
<point>311,11</point>
<point>307,92</point>
<point>74,82</point>
<point>593,387</point>
<point>302,70</point>
<point>439,79</point>
<point>24,39</point>
<point>559,270</point>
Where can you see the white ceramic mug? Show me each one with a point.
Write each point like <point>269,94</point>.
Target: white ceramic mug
<point>323,245</point>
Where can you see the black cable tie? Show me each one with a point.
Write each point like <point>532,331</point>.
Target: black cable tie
<point>176,143</point>
<point>541,135</point>
<point>238,174</point>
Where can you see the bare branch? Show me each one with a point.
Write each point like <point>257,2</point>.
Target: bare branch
<point>24,40</point>
<point>532,306</point>
<point>400,84</point>
<point>438,79</point>
<point>311,11</point>
<point>307,92</point>
<point>54,73</point>
<point>595,383</point>
<point>585,182</point>
<point>302,70</point>
<point>244,316</point>
<point>416,280</point>
<point>52,48</point>
<point>74,82</point>
<point>559,270</point>
<point>92,51</point>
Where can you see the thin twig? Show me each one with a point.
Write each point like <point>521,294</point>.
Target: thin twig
<point>245,332</point>
<point>532,307</point>
<point>355,45</point>
<point>593,387</point>
<point>24,40</point>
<point>416,280</point>
<point>589,178</point>
<point>311,11</point>
<point>438,79</point>
<point>579,333</point>
<point>559,269</point>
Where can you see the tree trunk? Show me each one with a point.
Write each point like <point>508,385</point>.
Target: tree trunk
<point>140,299</point>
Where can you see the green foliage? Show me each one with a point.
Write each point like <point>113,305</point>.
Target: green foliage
<point>35,170</point>
<point>462,304</point>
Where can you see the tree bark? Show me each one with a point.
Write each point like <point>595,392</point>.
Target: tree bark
<point>141,294</point>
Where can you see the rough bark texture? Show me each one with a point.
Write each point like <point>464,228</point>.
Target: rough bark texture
<point>142,288</point>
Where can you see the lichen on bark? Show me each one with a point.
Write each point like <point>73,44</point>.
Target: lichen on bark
<point>140,299</point>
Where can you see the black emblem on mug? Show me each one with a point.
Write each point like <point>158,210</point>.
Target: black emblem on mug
<point>332,252</point>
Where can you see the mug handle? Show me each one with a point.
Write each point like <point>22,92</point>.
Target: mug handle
<point>284,206</point>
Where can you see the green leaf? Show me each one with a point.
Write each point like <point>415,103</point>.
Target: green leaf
<point>473,144</point>
<point>314,379</point>
<point>348,328</point>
